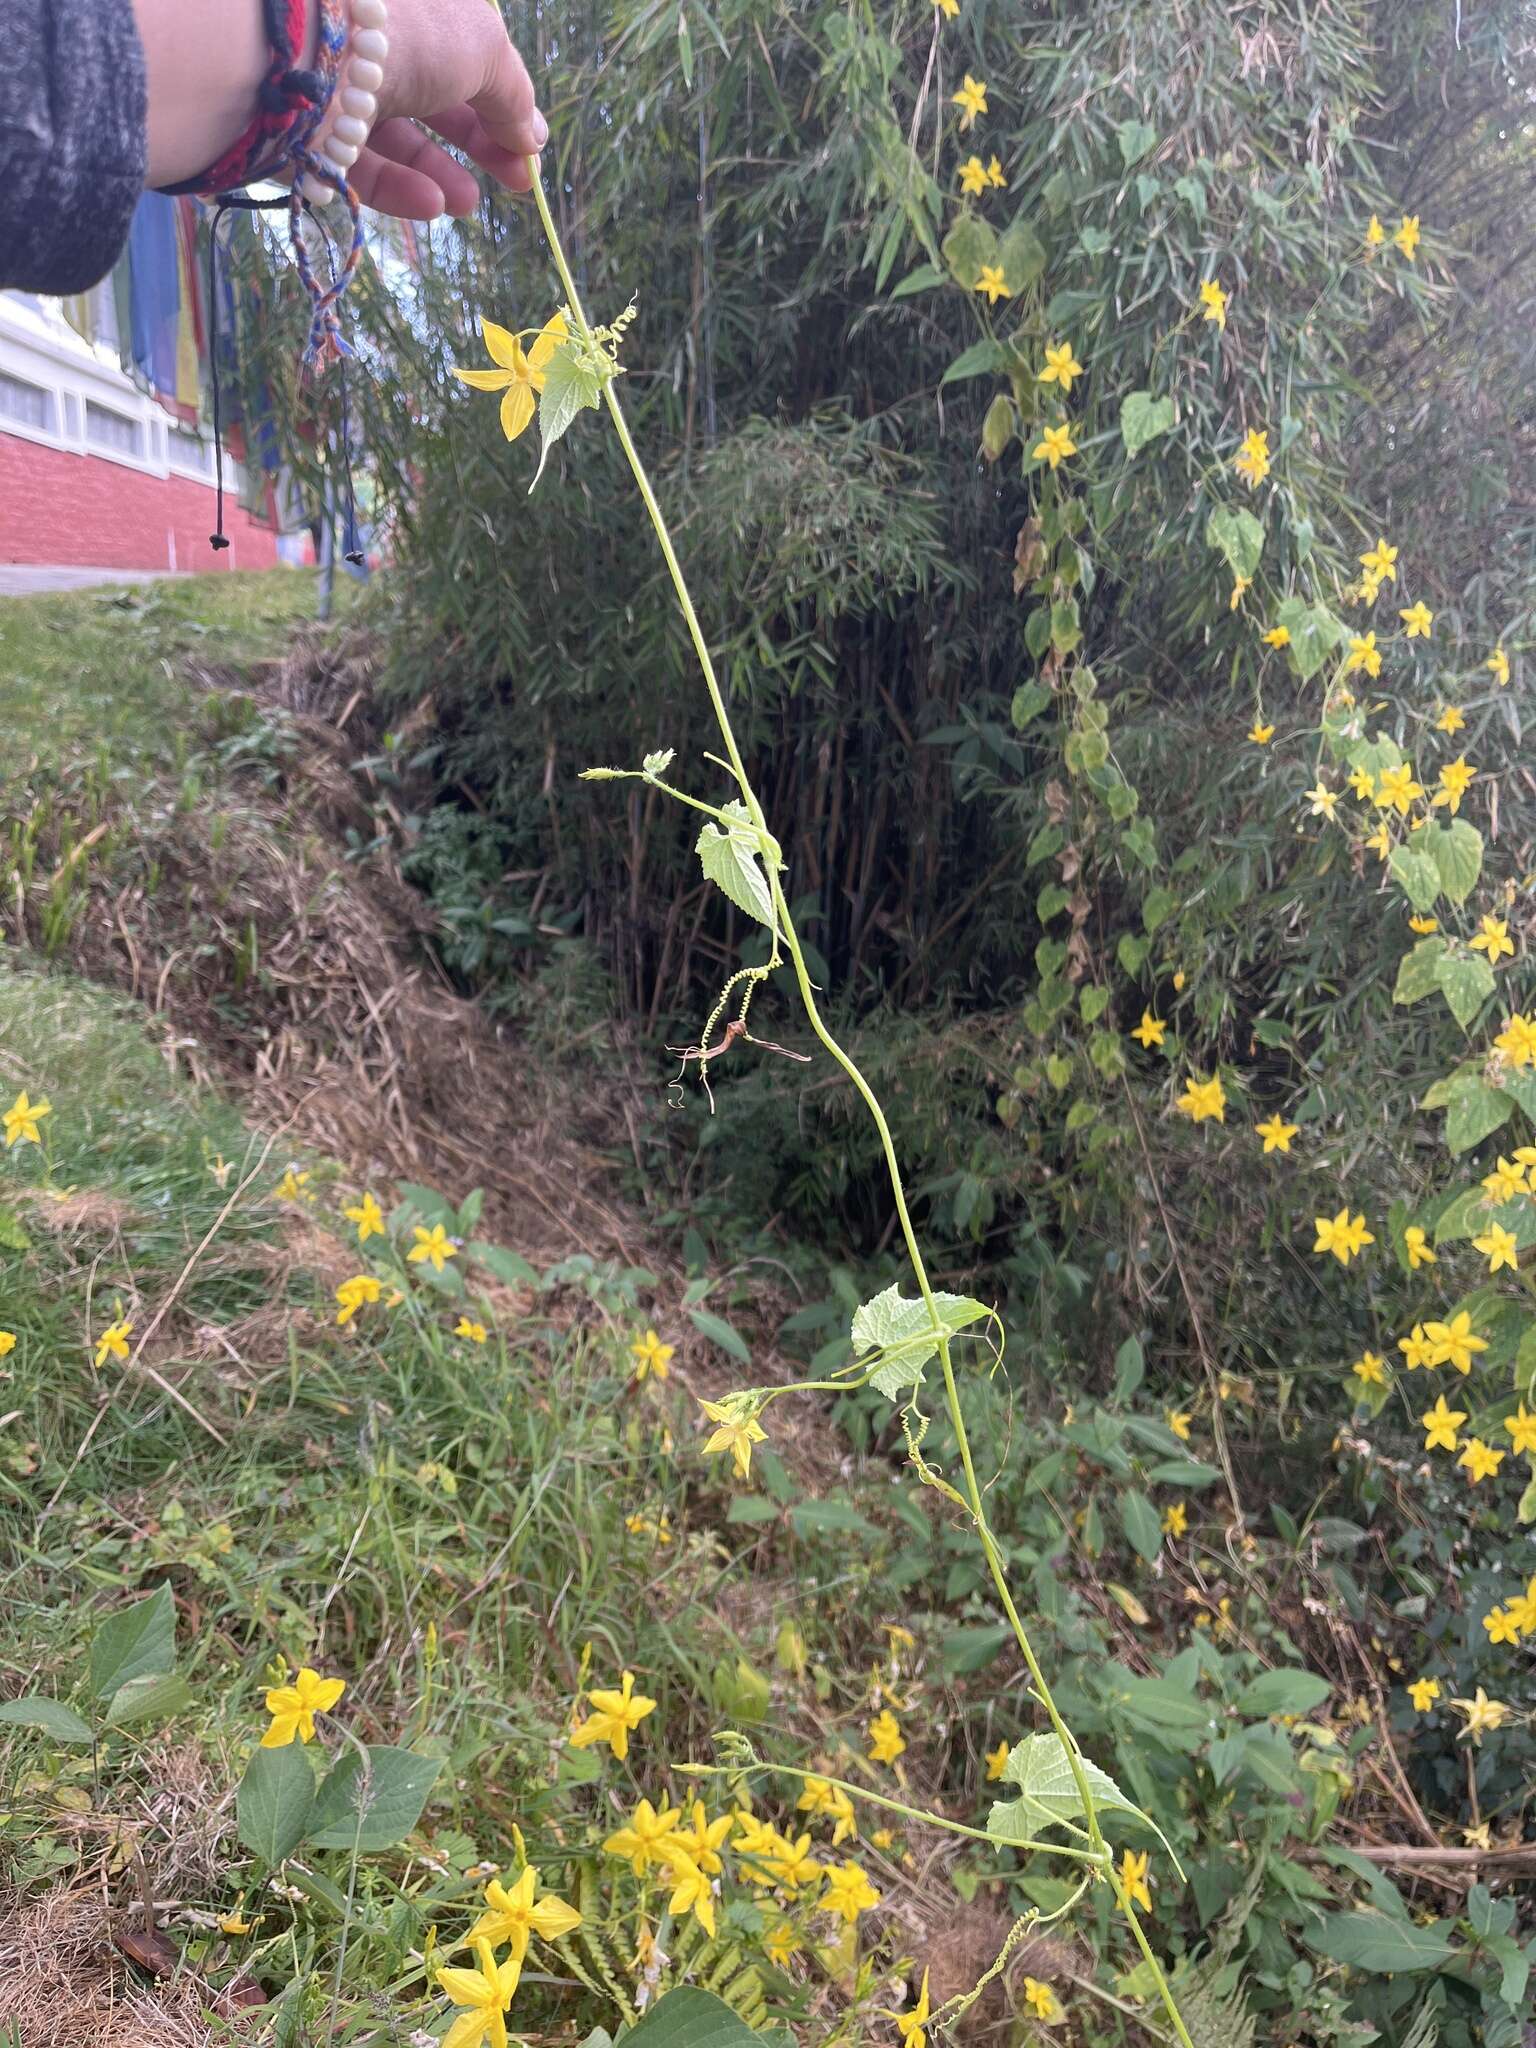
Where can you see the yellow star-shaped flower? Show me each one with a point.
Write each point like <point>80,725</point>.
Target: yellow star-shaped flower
<point>1498,665</point>
<point>1500,1247</point>
<point>293,1707</point>
<point>1407,237</point>
<point>992,282</point>
<point>971,99</point>
<point>1252,460</point>
<point>1213,303</point>
<point>1276,1133</point>
<point>1455,1343</point>
<point>614,1717</point>
<point>1261,735</point>
<point>1061,366</point>
<point>1343,1235</point>
<point>518,375</point>
<point>1451,719</point>
<point>1456,778</point>
<point>1150,1031</point>
<point>973,177</point>
<point>1380,563</point>
<point>1493,939</point>
<point>1054,445</point>
<point>1324,801</point>
<point>1363,654</point>
<point>22,1119</point>
<point>1202,1099</point>
<point>1441,1424</point>
<point>1478,1460</point>
<point>1482,1715</point>
<point>1417,619</point>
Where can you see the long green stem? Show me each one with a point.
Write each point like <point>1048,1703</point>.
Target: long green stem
<point>871,1102</point>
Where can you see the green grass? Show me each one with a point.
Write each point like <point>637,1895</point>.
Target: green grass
<point>84,672</point>
<point>443,1523</point>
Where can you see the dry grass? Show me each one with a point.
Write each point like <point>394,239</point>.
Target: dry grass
<point>282,963</point>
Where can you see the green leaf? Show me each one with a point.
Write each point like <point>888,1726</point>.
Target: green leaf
<point>1466,982</point>
<point>1066,627</point>
<point>1238,536</point>
<point>970,245</point>
<point>1092,1002</point>
<point>1314,631</point>
<point>685,48</point>
<point>686,2017</point>
<point>1370,1941</point>
<point>1143,418</point>
<point>902,1331</point>
<point>1525,1364</point>
<point>1130,1368</point>
<point>1474,1112</point>
<point>720,1332</point>
<point>1157,906</point>
<point>981,359</point>
<point>571,384</point>
<point>1160,1702</point>
<point>375,1812</point>
<point>923,279</point>
<point>1135,139</point>
<point>504,1265</point>
<point>1085,750</point>
<point>1418,972</point>
<point>752,1509</point>
<point>274,1802</point>
<point>13,1237</point>
<point>133,1641</point>
<point>1418,874</point>
<point>154,1697</point>
<point>1140,1521</point>
<point>1022,255</point>
<point>1514,1961</point>
<point>1183,1472</point>
<point>1029,700</point>
<point>1285,1691</point>
<point>1131,951</point>
<point>829,1518</point>
<point>973,1649</point>
<point>51,1716</point>
<point>1047,1790</point>
<point>730,860</point>
<point>1457,852</point>
<point>739,1690</point>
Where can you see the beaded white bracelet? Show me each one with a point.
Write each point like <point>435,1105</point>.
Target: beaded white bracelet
<point>353,111</point>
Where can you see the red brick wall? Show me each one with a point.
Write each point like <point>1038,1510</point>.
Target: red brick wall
<point>67,509</point>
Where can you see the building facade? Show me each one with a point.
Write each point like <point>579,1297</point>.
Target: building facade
<point>93,473</point>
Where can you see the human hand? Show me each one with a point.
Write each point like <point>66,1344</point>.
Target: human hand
<point>452,68</point>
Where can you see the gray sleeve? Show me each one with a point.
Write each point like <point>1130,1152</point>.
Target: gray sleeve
<point>72,139</point>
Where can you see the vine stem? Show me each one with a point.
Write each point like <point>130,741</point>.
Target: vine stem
<point>975,1503</point>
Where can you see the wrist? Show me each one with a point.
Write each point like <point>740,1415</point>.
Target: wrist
<point>204,68</point>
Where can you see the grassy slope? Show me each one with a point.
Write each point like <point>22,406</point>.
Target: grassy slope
<point>444,1522</point>
<point>469,1533</point>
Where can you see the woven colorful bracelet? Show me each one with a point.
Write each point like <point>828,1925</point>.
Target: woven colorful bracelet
<point>287,93</point>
